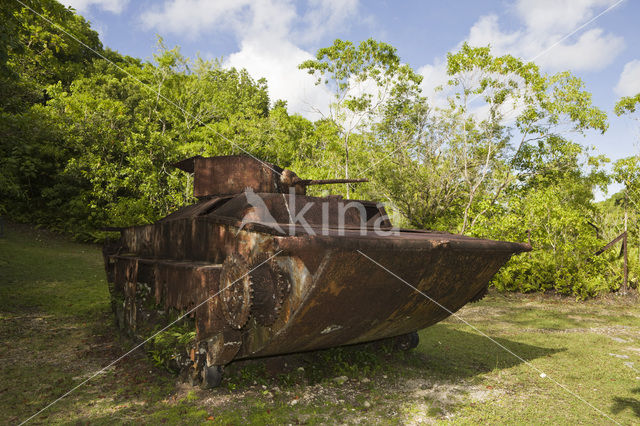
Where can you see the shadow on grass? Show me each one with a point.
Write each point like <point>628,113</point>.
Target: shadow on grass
<point>450,352</point>
<point>620,404</point>
<point>444,353</point>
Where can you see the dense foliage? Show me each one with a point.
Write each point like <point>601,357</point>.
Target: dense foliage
<point>88,136</point>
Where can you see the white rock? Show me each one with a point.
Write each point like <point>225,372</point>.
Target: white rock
<point>340,379</point>
<point>618,339</point>
<point>620,356</point>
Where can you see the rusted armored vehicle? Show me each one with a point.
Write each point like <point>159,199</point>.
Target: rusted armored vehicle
<point>263,269</point>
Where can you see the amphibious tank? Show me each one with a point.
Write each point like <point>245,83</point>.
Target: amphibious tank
<point>262,269</point>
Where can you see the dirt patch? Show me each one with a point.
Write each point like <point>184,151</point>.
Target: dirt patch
<point>428,400</point>
<point>614,331</point>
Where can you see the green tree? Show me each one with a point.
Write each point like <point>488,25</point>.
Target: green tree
<point>85,143</point>
<point>363,80</point>
<point>494,161</point>
<point>126,127</point>
<point>35,54</point>
<point>554,205</point>
<point>452,165</point>
<point>626,171</point>
<point>627,105</point>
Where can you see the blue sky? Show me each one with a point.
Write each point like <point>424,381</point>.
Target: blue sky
<point>270,37</point>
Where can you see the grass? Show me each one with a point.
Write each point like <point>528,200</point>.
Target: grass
<point>56,331</point>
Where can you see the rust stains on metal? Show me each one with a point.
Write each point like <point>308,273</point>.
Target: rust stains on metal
<point>318,291</point>
<point>234,173</point>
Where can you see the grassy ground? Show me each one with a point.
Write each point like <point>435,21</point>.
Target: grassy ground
<point>56,331</point>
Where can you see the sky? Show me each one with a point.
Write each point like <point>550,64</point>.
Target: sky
<point>594,39</point>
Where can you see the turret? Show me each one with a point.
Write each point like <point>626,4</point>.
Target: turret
<point>232,174</point>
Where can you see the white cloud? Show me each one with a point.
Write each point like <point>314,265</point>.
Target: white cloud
<point>629,82</point>
<point>279,65</point>
<point>247,18</point>
<point>546,23</point>
<point>434,75</point>
<point>194,17</point>
<point>594,50</point>
<point>270,35</point>
<point>540,38</point>
<point>553,16</point>
<point>487,31</point>
<point>113,6</point>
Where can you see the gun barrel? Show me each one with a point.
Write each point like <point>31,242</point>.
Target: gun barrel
<point>307,182</point>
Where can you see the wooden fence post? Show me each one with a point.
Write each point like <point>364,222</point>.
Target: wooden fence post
<point>624,239</point>
<point>626,263</point>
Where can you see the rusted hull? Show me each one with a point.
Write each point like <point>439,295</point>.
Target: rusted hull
<point>336,295</point>
<point>350,299</point>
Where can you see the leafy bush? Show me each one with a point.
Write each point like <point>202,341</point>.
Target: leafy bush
<point>169,344</point>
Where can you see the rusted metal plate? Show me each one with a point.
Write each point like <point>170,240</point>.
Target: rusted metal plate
<point>232,175</point>
<point>353,300</point>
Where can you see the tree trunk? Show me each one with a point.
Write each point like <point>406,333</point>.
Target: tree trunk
<point>346,165</point>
